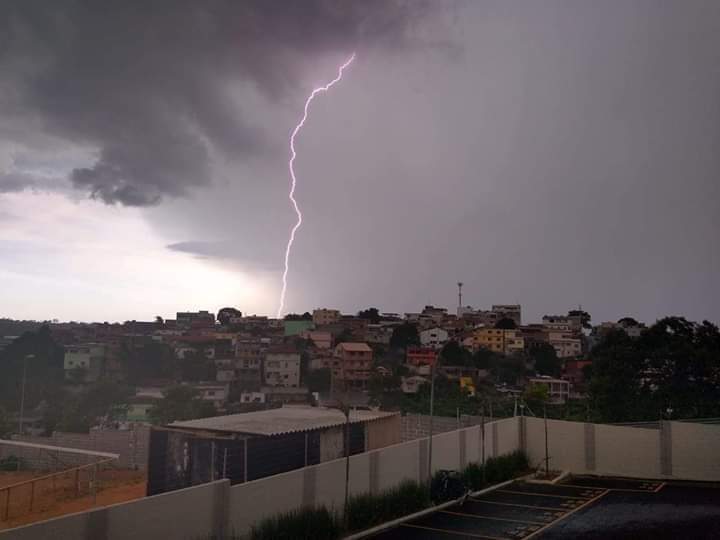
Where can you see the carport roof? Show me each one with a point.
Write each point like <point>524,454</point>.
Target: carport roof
<point>280,421</point>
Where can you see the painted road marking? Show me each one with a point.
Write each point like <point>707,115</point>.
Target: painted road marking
<point>538,494</point>
<point>614,489</point>
<point>493,518</point>
<point>458,533</point>
<point>586,503</point>
<point>516,504</point>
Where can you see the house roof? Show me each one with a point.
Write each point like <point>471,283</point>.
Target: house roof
<point>355,347</point>
<point>280,421</point>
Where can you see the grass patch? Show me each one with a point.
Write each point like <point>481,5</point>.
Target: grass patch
<point>365,511</point>
<point>307,524</point>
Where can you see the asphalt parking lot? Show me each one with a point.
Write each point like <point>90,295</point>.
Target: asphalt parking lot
<point>581,507</point>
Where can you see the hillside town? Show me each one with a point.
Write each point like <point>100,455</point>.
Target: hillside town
<point>202,364</point>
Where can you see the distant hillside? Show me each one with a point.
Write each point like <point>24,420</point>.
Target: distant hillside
<point>9,327</point>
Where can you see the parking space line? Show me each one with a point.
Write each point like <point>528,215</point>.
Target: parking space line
<point>577,508</point>
<point>464,514</point>
<point>458,533</point>
<point>539,494</point>
<point>614,489</point>
<point>662,485</point>
<point>520,505</point>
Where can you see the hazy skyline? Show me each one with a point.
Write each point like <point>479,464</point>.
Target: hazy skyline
<point>549,153</point>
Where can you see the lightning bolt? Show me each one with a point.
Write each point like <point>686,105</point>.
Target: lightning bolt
<point>293,179</point>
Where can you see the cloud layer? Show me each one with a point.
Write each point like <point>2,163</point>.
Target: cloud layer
<point>149,85</point>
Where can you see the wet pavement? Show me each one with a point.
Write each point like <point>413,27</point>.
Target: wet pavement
<point>581,507</point>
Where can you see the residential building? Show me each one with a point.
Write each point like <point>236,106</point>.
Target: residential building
<point>508,311</point>
<point>216,394</point>
<point>433,338</point>
<point>412,384</point>
<point>566,345</point>
<point>195,319</point>
<point>85,362</point>
<point>379,334</point>
<point>286,395</point>
<point>574,373</point>
<point>355,363</point>
<point>320,339</point>
<point>282,367</point>
<point>252,397</point>
<point>295,328</point>
<point>499,340</point>
<point>562,323</point>
<point>558,389</point>
<point>421,356</point>
<point>324,316</point>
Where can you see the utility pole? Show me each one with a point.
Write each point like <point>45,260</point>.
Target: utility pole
<point>22,393</point>
<point>430,438</point>
<point>460,286</point>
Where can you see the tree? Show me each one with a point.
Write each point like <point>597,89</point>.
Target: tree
<point>506,324</point>
<point>5,426</point>
<point>371,314</point>
<point>404,336</point>
<point>319,380</point>
<point>227,313</point>
<point>307,316</point>
<point>615,388</point>
<point>546,360</point>
<point>159,319</point>
<point>535,396</point>
<point>196,367</point>
<point>103,402</point>
<point>628,321</point>
<point>453,354</point>
<point>180,403</point>
<point>483,358</point>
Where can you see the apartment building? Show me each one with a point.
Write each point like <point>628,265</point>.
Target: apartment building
<point>355,363</point>
<point>434,338</point>
<point>321,317</point>
<point>282,368</point>
<point>558,389</point>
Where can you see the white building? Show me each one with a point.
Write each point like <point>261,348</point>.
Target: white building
<point>558,389</point>
<point>433,338</point>
<point>282,368</point>
<point>411,385</point>
<point>87,359</point>
<point>565,345</point>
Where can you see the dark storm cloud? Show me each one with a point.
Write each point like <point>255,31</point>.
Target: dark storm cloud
<point>147,83</point>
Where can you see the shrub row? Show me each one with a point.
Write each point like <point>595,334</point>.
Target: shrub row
<point>368,510</point>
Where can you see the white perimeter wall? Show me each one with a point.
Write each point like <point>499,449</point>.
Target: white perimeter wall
<point>678,450</point>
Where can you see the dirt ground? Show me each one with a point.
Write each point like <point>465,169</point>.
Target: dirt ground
<point>115,486</point>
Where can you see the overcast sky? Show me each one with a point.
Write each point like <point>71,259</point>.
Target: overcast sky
<point>551,153</point>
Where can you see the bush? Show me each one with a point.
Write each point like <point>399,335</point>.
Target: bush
<point>368,510</point>
<point>496,470</point>
<point>365,511</point>
<point>307,523</point>
<point>12,463</point>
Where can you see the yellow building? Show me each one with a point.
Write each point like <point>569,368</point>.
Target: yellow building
<point>499,340</point>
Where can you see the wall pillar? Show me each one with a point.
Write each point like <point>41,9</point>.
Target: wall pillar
<point>422,460</point>
<point>494,439</point>
<point>462,448</point>
<point>309,487</point>
<point>522,434</point>
<point>666,464</point>
<point>590,464</point>
<point>221,509</point>
<point>374,472</point>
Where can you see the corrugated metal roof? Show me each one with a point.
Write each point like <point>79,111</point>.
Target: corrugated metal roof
<point>280,421</point>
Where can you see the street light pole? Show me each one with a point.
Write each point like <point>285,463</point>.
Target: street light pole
<point>22,393</point>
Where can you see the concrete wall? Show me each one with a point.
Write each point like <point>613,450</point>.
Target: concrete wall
<point>212,509</point>
<point>695,450</point>
<point>191,513</point>
<point>131,445</point>
<point>676,450</point>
